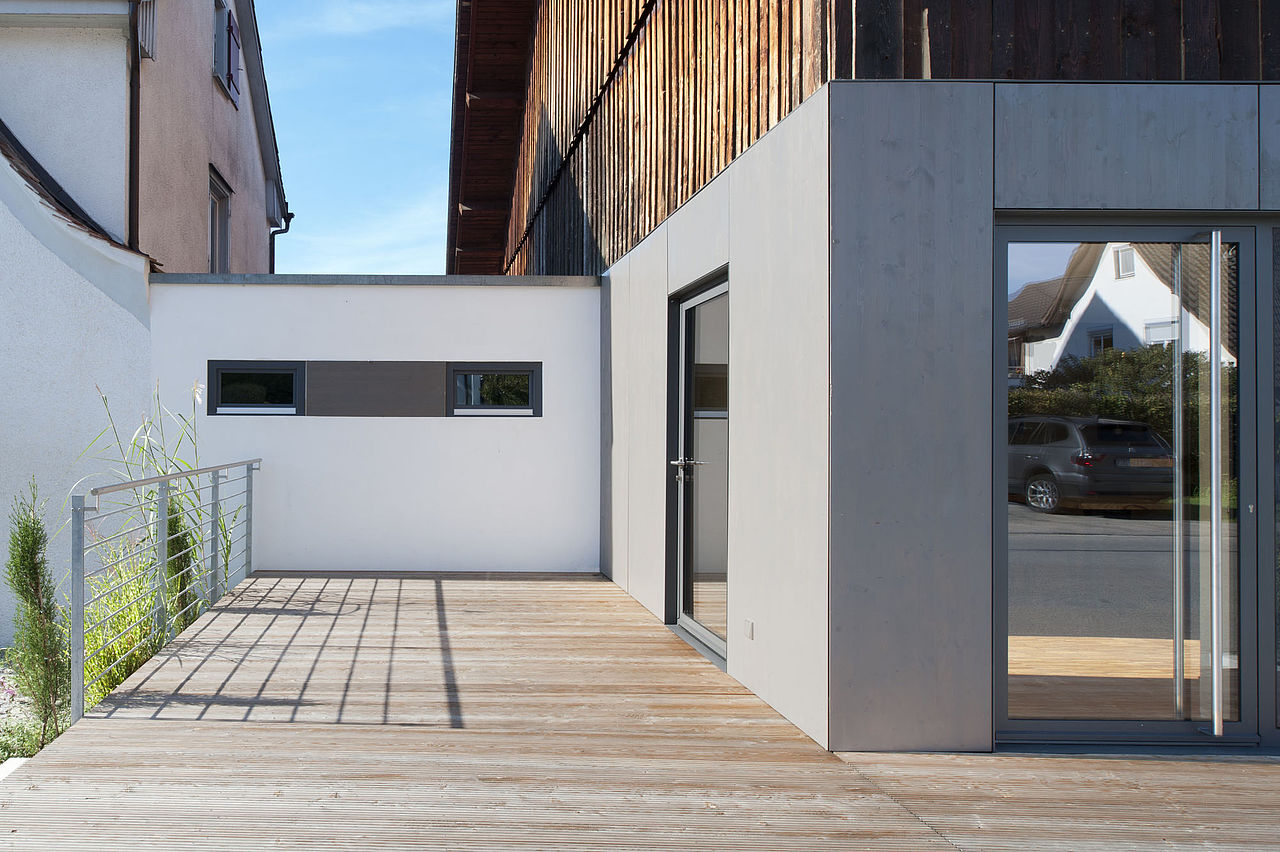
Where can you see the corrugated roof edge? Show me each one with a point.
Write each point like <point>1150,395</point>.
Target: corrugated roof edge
<point>322,280</point>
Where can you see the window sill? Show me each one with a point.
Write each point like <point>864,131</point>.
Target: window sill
<point>493,412</point>
<point>241,410</point>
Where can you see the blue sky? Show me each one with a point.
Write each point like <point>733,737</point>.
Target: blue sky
<point>360,96</point>
<point>1037,262</point>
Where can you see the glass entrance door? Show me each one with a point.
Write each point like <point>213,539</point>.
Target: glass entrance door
<point>701,467</point>
<point>1122,594</point>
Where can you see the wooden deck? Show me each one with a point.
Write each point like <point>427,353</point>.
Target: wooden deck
<point>543,713</point>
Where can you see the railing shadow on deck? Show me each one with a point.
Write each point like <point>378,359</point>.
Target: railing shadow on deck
<point>281,635</point>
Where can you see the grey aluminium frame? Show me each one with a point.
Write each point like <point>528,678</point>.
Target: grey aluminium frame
<point>533,369</point>
<point>297,368</point>
<point>1251,549</point>
<point>710,287</point>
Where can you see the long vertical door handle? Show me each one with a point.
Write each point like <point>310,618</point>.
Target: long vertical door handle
<point>1215,472</point>
<point>1179,522</point>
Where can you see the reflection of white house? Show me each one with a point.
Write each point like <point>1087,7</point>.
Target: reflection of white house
<point>1115,295</point>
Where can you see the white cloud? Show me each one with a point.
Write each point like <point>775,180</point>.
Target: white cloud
<point>361,17</point>
<point>407,239</point>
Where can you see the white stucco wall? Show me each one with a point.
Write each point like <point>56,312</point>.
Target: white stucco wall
<point>765,217</point>
<point>64,93</point>
<point>390,493</point>
<point>60,336</point>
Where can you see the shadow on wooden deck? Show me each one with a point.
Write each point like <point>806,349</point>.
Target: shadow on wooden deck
<point>548,712</point>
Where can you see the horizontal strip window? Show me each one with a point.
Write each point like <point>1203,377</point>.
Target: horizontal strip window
<point>502,389</point>
<point>271,388</point>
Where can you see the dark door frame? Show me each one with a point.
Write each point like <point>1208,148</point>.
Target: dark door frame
<point>1256,546</point>
<point>671,597</point>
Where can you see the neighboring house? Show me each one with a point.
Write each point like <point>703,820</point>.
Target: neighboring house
<point>803,215</point>
<point>133,136</point>
<point>1111,296</point>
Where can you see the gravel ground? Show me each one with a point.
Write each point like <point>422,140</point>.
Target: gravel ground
<point>12,705</point>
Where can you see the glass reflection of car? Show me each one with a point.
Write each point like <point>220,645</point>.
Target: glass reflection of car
<point>1060,462</point>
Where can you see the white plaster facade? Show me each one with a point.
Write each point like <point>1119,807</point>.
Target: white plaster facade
<point>403,493</point>
<point>80,75</point>
<point>72,322</point>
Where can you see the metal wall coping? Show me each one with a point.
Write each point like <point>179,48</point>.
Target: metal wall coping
<point>377,280</point>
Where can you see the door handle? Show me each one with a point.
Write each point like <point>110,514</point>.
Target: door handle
<point>682,468</point>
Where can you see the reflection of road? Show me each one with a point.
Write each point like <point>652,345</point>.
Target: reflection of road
<point>1097,574</point>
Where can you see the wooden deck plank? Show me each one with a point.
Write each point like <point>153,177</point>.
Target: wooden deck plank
<point>454,712</point>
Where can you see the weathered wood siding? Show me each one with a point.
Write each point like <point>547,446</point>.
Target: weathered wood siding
<point>1070,39</point>
<point>633,106</point>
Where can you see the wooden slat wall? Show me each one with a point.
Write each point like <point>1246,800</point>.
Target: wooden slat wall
<point>702,81</point>
<point>1069,39</point>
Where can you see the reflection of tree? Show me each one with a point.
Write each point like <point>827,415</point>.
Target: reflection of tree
<point>504,389</point>
<point>1132,384</point>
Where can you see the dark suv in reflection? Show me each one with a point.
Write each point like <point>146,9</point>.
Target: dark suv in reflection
<point>1055,462</point>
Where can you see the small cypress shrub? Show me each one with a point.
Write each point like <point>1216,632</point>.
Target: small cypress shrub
<point>39,652</point>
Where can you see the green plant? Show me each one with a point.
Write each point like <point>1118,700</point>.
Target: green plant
<point>39,653</point>
<point>164,443</point>
<point>120,632</point>
<point>226,528</point>
<point>181,597</point>
<point>19,737</point>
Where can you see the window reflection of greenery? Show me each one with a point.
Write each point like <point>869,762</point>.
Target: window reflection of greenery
<point>1135,384</point>
<point>504,389</point>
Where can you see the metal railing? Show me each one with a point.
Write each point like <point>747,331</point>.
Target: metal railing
<point>161,551</point>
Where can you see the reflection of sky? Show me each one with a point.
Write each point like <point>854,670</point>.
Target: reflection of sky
<point>1036,262</point>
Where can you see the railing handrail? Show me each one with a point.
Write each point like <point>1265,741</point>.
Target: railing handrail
<point>156,480</point>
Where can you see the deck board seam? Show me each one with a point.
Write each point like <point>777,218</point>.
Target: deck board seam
<point>882,791</point>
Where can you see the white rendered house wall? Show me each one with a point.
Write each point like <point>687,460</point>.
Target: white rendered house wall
<point>403,493</point>
<point>64,93</point>
<point>62,338</point>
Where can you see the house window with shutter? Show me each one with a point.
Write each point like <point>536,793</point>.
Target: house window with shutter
<point>226,50</point>
<point>219,223</point>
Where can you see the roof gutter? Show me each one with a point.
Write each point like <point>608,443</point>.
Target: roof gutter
<point>288,220</point>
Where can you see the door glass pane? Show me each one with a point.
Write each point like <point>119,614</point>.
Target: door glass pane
<point>1275,279</point>
<point>707,482</point>
<point>1111,478</point>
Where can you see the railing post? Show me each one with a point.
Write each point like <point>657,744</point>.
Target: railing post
<point>248,520</point>
<point>162,561</point>
<point>213,585</point>
<point>77,607</point>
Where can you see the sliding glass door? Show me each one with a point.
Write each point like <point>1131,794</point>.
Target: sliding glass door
<point>1120,605</point>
